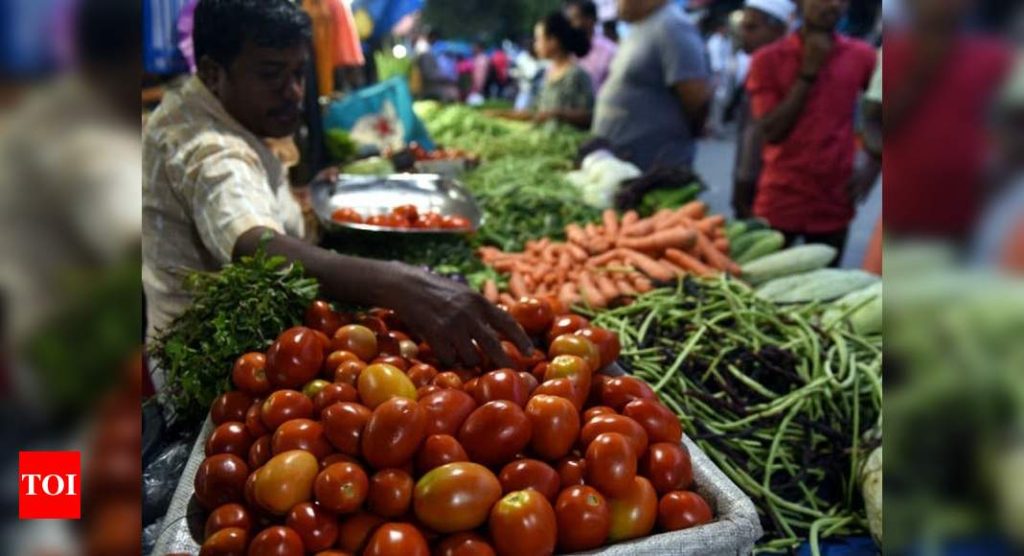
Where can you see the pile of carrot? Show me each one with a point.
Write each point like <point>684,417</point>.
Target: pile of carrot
<point>609,263</point>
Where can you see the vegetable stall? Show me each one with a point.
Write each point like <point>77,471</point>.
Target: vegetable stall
<point>746,365</point>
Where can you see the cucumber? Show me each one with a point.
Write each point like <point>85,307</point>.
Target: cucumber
<point>867,317</point>
<point>735,229</point>
<point>824,284</point>
<point>770,243</point>
<point>746,240</point>
<point>757,224</point>
<point>794,260</point>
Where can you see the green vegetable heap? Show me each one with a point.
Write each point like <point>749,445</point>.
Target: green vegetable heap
<point>239,309</point>
<point>779,401</point>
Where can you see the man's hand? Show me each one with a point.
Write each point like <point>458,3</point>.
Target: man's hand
<point>866,169</point>
<point>328,174</point>
<point>449,317</point>
<point>817,47</point>
<point>743,198</point>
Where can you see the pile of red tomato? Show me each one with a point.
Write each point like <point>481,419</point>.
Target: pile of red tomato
<point>404,217</point>
<point>346,437</point>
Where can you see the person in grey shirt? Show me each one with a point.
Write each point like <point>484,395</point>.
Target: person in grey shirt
<point>655,101</point>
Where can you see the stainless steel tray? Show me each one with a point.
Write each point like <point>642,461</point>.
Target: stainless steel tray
<point>735,530</point>
<point>377,195</point>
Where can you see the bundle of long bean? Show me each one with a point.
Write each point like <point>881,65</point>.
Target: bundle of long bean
<point>778,401</point>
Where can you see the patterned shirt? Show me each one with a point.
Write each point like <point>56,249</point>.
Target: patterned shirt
<point>572,90</point>
<point>206,181</point>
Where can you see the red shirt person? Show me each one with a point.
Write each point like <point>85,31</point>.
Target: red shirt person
<point>803,92</point>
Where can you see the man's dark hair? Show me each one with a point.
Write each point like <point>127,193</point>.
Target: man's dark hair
<point>586,7</point>
<point>108,31</point>
<point>572,40</point>
<point>222,27</point>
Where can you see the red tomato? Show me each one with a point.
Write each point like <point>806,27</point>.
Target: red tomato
<point>523,524</point>
<point>456,497</point>
<point>356,530</point>
<point>522,474</point>
<point>344,424</point>
<point>668,466</point>
<point>301,434</point>
<point>253,420</point>
<point>682,510</point>
<point>381,382</point>
<point>285,405</point>
<point>336,358</point>
<point>502,384</point>
<point>446,410</point>
<point>408,212</point>
<point>611,464</point>
<point>567,324</point>
<point>317,528</point>
<point>530,382</point>
<point>397,539</point>
<point>394,432</point>
<point>615,423</point>
<point>448,379</point>
<point>633,514</point>
<point>534,315</point>
<point>374,322</point>
<point>597,382</point>
<point>333,393</point>
<point>570,344</point>
<point>396,361</point>
<point>390,493</point>
<point>356,338</point>
<point>618,391</point>
<point>424,391</point>
<point>660,423</point>
<point>561,387</point>
<point>555,424</point>
<point>276,541</point>
<point>228,515</point>
<point>495,432</point>
<point>557,307</point>
<point>229,438</point>
<point>230,406</point>
<point>464,544</point>
<point>519,361</point>
<point>337,458</point>
<point>592,412</point>
<point>421,374</point>
<point>572,367</point>
<point>348,372</point>
<point>607,343</point>
<point>539,370</point>
<point>220,480</point>
<point>249,374</point>
<point>295,358</point>
<point>583,518</point>
<point>260,452</point>
<point>341,487</point>
<point>346,215</point>
<point>437,450</point>
<point>321,316</point>
<point>287,479</point>
<point>230,541</point>
<point>470,386</point>
<point>571,471</point>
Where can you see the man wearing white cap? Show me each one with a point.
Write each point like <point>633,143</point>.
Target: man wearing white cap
<point>764,22</point>
<point>803,92</point>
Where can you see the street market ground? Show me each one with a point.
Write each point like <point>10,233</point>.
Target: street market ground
<point>715,158</point>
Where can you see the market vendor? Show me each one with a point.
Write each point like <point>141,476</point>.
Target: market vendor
<point>213,192</point>
<point>567,93</point>
<point>654,104</point>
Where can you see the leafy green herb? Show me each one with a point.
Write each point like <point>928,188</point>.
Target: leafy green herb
<point>239,309</point>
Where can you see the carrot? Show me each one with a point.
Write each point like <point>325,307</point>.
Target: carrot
<point>491,291</point>
<point>688,262</point>
<point>606,286</point>
<point>568,295</point>
<point>575,234</point>
<point>722,244</point>
<point>576,251</point>
<point>505,265</point>
<point>642,285</point>
<point>658,242</point>
<point>550,254</point>
<point>611,222</point>
<point>599,244</point>
<point>507,300</point>
<point>589,292</point>
<point>517,285</point>
<point>693,209</point>
<point>603,258</point>
<point>624,287</point>
<point>564,259</point>
<point>640,228</point>
<point>672,267</point>
<point>713,256</point>
<point>629,218</point>
<point>709,224</point>
<point>590,229</point>
<point>648,265</point>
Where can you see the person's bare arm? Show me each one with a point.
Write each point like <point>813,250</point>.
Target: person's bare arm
<point>779,123</point>
<point>695,97</point>
<point>447,315</point>
<point>872,131</point>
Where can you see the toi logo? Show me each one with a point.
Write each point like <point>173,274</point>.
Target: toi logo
<point>49,485</point>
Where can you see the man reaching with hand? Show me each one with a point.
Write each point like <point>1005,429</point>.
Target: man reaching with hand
<point>803,93</point>
<point>213,191</point>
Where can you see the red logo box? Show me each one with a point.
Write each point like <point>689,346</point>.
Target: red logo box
<point>49,485</point>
